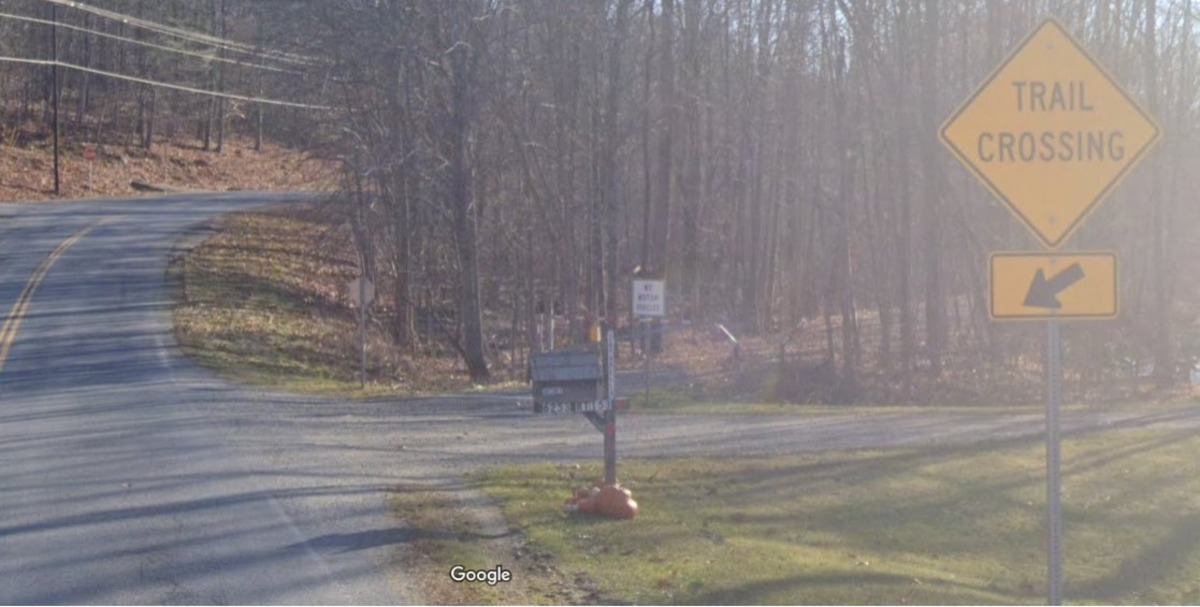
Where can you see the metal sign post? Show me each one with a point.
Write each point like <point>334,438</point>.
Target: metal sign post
<point>362,332</point>
<point>89,154</point>
<point>1054,461</point>
<point>644,329</point>
<point>362,293</point>
<point>649,302</point>
<point>610,417</point>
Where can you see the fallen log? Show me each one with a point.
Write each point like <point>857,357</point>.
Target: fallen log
<point>142,186</point>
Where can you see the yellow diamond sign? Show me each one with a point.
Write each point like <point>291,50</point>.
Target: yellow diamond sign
<point>1050,133</point>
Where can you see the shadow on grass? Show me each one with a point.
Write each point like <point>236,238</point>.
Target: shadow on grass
<point>771,592</point>
<point>1147,569</point>
<point>967,519</point>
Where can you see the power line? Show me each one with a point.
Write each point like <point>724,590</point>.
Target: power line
<point>186,34</point>
<point>177,87</point>
<point>147,44</point>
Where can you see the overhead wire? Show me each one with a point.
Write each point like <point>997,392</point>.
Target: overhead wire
<point>154,26</point>
<point>186,34</point>
<point>178,87</point>
<point>204,56</point>
<point>179,33</point>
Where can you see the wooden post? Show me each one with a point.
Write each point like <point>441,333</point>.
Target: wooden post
<point>54,84</point>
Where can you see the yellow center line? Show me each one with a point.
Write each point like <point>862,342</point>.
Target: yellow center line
<point>8,333</point>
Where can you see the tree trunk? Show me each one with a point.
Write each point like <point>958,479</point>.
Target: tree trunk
<point>611,180</point>
<point>691,186</point>
<point>1163,352</point>
<point>463,59</point>
<point>935,318</point>
<point>660,228</point>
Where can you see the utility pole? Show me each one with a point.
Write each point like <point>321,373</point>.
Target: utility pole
<point>54,83</point>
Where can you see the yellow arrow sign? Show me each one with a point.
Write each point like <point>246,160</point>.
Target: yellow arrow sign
<point>1050,133</point>
<point>1040,286</point>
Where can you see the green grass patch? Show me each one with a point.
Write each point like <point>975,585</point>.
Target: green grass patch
<point>955,525</point>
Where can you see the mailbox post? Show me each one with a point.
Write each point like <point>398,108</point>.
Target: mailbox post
<point>610,416</point>
<point>581,379</point>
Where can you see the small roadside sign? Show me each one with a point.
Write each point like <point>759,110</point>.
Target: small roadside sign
<point>89,154</point>
<point>359,291</point>
<point>649,298</point>
<point>1050,133</point>
<point>1042,286</point>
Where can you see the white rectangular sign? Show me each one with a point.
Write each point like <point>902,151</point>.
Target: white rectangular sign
<point>649,298</point>
<point>357,290</point>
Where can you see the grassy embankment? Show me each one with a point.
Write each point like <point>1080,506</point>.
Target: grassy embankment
<point>263,302</point>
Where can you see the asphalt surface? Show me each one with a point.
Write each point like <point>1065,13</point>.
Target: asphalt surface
<point>116,485</point>
<point>128,476</point>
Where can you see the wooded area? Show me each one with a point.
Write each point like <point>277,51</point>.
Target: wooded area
<point>776,161</point>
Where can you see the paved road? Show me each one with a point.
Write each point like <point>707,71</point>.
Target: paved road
<point>129,476</point>
<point>116,485</point>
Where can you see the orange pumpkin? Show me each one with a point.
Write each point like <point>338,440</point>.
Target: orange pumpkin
<point>617,502</point>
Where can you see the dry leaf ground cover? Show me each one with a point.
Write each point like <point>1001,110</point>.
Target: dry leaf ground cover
<point>26,172</point>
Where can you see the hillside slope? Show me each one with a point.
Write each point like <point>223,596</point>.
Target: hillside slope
<point>27,172</point>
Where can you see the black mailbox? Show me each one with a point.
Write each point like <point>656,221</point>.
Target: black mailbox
<point>568,381</point>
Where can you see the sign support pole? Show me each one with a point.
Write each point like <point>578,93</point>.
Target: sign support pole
<point>645,327</point>
<point>362,330</point>
<point>610,417</point>
<point>1054,461</point>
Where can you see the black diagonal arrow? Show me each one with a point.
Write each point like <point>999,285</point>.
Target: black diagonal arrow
<point>1044,293</point>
